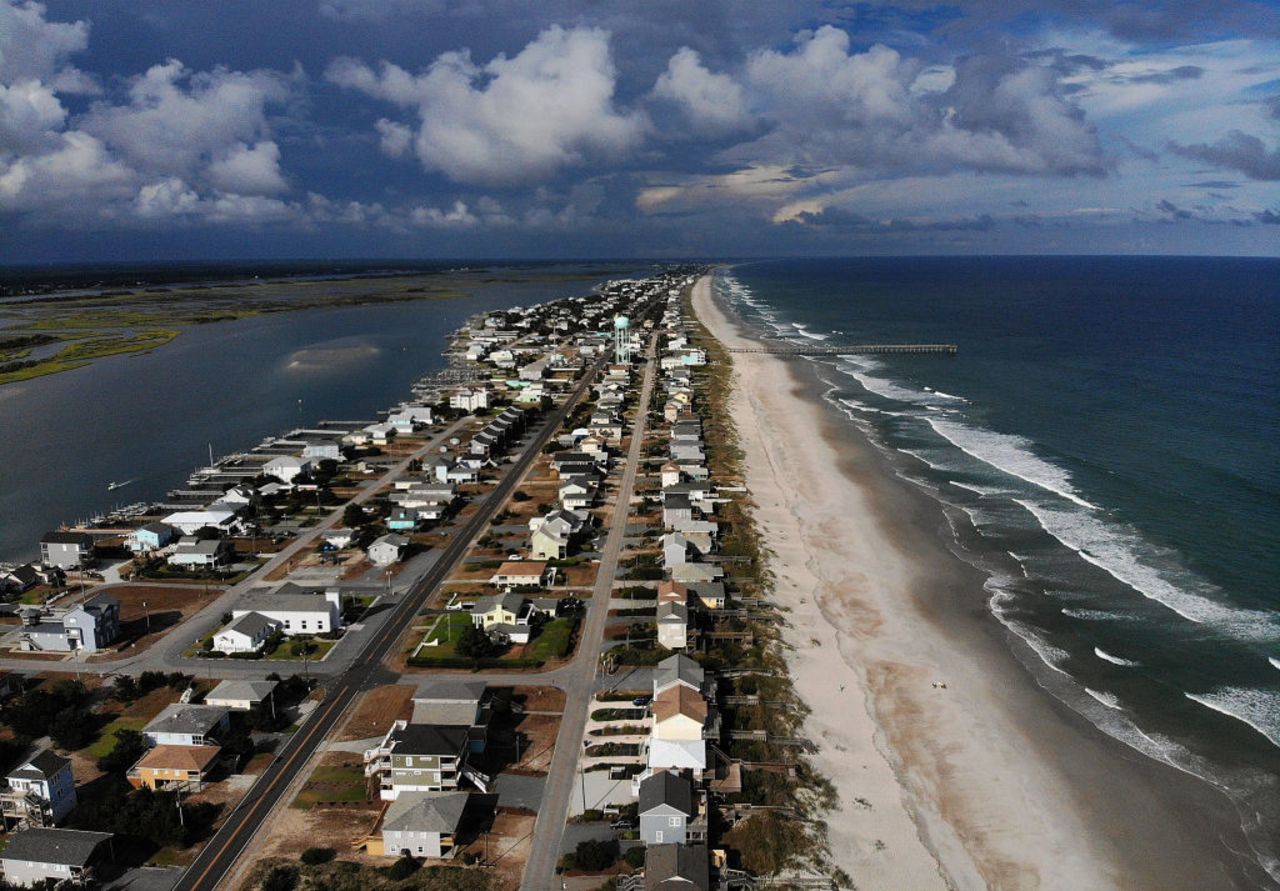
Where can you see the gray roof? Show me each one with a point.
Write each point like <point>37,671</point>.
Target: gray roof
<point>79,538</point>
<point>511,602</point>
<point>678,668</point>
<point>392,539</point>
<point>40,766</point>
<point>69,847</point>
<point>426,812</point>
<point>268,601</point>
<point>676,867</point>
<point>251,691</point>
<point>669,789</point>
<point>180,718</point>
<point>448,703</point>
<point>425,739</point>
<point>251,624</point>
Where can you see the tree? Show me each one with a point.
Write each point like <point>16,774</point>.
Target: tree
<point>125,689</point>
<point>280,878</point>
<point>593,855</point>
<point>302,647</point>
<point>316,856</point>
<point>128,749</point>
<point>71,728</point>
<point>353,515</point>
<point>474,643</point>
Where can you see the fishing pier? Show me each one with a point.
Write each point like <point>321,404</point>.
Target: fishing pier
<point>864,349</point>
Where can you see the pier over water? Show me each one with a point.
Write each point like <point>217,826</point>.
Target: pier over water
<point>864,349</point>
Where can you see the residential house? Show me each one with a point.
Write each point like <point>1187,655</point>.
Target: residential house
<point>520,574</point>
<point>470,399</point>
<point>66,550</point>
<point>696,573</point>
<point>387,549</point>
<point>339,538</point>
<point>505,616</point>
<point>174,767</point>
<point>296,610</point>
<point>423,824</point>
<point>679,671</point>
<point>679,713</point>
<point>551,535</point>
<point>404,519</point>
<point>287,468</point>
<point>89,625</point>
<point>670,867</point>
<point>578,492</point>
<point>673,625</point>
<point>670,474</point>
<point>181,724</point>
<point>417,758</point>
<point>410,417</point>
<point>676,507</point>
<point>34,857</point>
<point>40,791</point>
<point>246,634</point>
<point>321,450</point>
<point>667,806</point>
<point>189,522</point>
<point>18,579</point>
<point>241,696</point>
<point>201,553</point>
<point>151,537</point>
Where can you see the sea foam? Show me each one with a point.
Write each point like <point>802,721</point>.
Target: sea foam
<point>1260,709</point>
<point>1009,453</point>
<point>1116,552</point>
<point>1114,660</point>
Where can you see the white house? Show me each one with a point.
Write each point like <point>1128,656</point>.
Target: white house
<point>34,857</point>
<point>245,634</point>
<point>197,553</point>
<point>297,612</point>
<point>470,399</point>
<point>387,549</point>
<point>287,468</point>
<point>186,725</point>
<point>241,696</point>
<point>189,521</point>
<point>409,417</point>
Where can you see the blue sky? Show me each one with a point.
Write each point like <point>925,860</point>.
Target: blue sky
<point>168,129</point>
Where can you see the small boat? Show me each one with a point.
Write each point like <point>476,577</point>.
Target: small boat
<point>111,487</point>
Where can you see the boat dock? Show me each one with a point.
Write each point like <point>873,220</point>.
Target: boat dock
<point>863,349</point>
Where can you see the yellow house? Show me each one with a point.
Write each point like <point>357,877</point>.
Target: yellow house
<point>679,713</point>
<point>167,766</point>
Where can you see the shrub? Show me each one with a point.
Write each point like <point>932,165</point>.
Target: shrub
<point>401,869</point>
<point>280,878</point>
<point>593,856</point>
<point>316,856</point>
<point>634,857</point>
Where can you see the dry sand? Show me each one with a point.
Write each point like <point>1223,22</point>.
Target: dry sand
<point>987,782</point>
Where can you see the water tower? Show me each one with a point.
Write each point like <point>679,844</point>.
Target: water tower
<point>621,340</point>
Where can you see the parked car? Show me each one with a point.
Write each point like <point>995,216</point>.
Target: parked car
<point>641,701</point>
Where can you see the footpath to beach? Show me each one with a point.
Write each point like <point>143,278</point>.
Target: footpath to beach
<point>950,768</point>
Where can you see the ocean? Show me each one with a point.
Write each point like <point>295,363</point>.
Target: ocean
<point>1105,447</point>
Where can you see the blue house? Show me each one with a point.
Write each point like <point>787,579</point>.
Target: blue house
<point>404,519</point>
<point>152,537</point>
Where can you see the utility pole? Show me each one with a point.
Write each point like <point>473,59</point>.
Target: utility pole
<point>147,612</point>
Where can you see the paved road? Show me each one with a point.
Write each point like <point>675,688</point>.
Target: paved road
<point>166,653</point>
<point>365,671</point>
<point>579,677</point>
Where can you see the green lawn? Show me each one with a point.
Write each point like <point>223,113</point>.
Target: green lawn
<point>322,649</point>
<point>553,642</point>
<point>333,783</point>
<point>447,631</point>
<point>107,740</point>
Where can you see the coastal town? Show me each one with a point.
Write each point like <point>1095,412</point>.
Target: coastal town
<point>515,632</point>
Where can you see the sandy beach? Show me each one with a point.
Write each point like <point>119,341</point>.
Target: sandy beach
<point>986,782</point>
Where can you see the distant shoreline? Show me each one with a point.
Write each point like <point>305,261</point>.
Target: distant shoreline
<point>988,782</point>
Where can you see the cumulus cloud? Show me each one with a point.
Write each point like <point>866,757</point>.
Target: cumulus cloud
<point>248,170</point>
<point>879,110</point>
<point>712,102</point>
<point>1237,151</point>
<point>513,120</point>
<point>35,49</point>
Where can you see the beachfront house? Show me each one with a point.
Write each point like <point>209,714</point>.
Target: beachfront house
<point>667,806</point>
<point>66,550</point>
<point>36,857</point>
<point>423,824</point>
<point>40,791</point>
<point>670,867</point>
<point>673,625</point>
<point>417,758</point>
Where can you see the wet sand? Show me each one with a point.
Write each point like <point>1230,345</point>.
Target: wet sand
<point>986,782</point>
